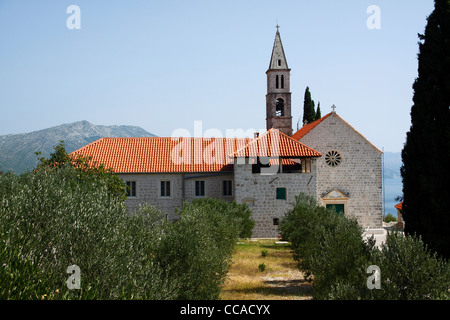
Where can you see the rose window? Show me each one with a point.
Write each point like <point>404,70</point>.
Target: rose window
<point>333,158</point>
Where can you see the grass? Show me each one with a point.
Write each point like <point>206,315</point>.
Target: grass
<point>280,280</point>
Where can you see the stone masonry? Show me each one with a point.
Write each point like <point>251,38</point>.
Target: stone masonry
<point>359,175</point>
<point>148,189</point>
<point>259,192</point>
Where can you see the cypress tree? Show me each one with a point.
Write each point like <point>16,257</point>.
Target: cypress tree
<point>425,171</point>
<point>308,107</point>
<point>318,113</point>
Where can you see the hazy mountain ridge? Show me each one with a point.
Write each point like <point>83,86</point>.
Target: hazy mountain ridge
<point>17,151</point>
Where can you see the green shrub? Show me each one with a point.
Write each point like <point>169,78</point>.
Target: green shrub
<point>238,215</point>
<point>197,248</point>
<point>51,219</point>
<point>264,253</point>
<point>409,271</point>
<point>21,278</point>
<point>69,212</point>
<point>389,218</point>
<point>262,267</point>
<point>330,248</point>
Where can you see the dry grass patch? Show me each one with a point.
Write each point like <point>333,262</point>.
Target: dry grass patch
<point>280,280</point>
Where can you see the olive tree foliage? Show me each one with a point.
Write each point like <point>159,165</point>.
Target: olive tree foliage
<point>85,167</point>
<point>50,220</point>
<point>69,212</point>
<point>332,252</point>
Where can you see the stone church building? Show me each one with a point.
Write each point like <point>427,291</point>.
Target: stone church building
<point>327,159</point>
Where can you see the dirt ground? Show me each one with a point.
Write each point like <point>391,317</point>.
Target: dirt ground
<point>280,278</point>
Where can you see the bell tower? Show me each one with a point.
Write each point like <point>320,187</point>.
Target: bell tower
<point>278,97</point>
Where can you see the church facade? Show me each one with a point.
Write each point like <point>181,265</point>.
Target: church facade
<point>327,159</point>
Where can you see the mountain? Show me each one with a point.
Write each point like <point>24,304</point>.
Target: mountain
<point>17,151</point>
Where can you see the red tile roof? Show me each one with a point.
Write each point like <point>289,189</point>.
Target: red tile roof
<point>156,154</point>
<point>308,127</point>
<point>274,143</point>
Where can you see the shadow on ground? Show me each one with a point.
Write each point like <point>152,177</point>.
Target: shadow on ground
<point>300,288</point>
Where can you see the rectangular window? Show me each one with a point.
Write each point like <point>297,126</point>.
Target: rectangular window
<point>338,207</point>
<point>276,82</point>
<point>281,193</point>
<point>199,188</point>
<point>227,188</point>
<point>131,189</point>
<point>282,81</point>
<point>165,188</point>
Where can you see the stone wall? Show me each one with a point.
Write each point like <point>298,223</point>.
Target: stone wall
<point>148,189</point>
<point>359,175</point>
<point>259,192</point>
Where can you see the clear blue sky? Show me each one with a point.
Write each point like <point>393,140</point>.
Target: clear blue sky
<point>162,65</point>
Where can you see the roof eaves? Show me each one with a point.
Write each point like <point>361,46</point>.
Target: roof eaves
<point>308,127</point>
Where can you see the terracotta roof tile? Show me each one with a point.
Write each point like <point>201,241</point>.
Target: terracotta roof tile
<point>156,154</point>
<point>274,143</point>
<point>308,127</point>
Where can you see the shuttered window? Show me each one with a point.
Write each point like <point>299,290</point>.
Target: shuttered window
<point>338,207</point>
<point>281,193</point>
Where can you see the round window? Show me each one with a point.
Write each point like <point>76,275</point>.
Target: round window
<point>333,158</point>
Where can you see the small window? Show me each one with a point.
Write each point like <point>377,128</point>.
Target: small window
<point>227,188</point>
<point>276,221</point>
<point>279,62</point>
<point>281,193</point>
<point>282,81</point>
<point>199,188</point>
<point>165,188</point>
<point>277,82</point>
<point>339,208</point>
<point>131,189</point>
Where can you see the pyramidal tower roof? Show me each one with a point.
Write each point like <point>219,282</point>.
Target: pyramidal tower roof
<point>278,59</point>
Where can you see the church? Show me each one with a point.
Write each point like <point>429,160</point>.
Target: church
<point>327,159</point>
